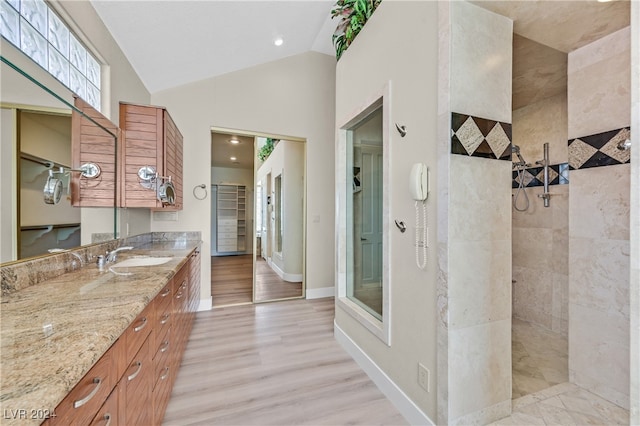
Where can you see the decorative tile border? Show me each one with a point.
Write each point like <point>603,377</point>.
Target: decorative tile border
<point>599,150</point>
<point>534,176</point>
<point>480,137</point>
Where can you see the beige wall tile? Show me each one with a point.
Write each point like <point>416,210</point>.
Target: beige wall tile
<point>543,121</point>
<point>599,353</point>
<point>479,367</point>
<point>599,86</point>
<point>599,202</point>
<point>481,57</point>
<point>480,288</point>
<point>599,275</point>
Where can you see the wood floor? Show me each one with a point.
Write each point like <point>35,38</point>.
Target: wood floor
<point>232,281</point>
<point>273,364</point>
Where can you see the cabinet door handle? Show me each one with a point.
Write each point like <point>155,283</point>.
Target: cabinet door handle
<point>107,417</point>
<point>179,295</point>
<point>165,346</point>
<point>165,318</point>
<point>133,376</point>
<point>166,374</point>
<point>141,326</point>
<point>165,293</point>
<point>97,381</point>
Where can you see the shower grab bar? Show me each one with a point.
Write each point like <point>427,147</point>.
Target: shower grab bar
<point>546,196</point>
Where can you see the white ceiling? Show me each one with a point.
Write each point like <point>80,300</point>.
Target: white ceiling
<point>171,43</point>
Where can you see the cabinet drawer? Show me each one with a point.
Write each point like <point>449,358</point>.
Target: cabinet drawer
<point>136,388</point>
<point>139,329</point>
<point>108,414</point>
<point>84,400</point>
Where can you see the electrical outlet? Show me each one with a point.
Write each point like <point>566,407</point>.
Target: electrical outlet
<point>424,377</point>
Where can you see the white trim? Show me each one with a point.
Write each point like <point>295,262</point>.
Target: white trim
<point>380,328</point>
<point>411,412</point>
<point>293,278</point>
<point>319,293</point>
<point>205,304</point>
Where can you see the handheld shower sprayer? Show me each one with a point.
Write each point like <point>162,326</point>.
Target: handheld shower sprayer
<point>515,149</point>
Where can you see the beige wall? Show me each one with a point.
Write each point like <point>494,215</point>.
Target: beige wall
<point>540,234</point>
<point>599,96</point>
<point>290,97</point>
<point>287,160</point>
<point>475,291</point>
<point>378,57</point>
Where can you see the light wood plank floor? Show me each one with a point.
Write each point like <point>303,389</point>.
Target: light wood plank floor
<point>273,364</point>
<point>232,281</point>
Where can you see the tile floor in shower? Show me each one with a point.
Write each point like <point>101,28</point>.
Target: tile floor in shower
<point>541,392</point>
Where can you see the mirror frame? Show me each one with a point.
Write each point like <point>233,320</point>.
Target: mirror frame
<point>380,328</point>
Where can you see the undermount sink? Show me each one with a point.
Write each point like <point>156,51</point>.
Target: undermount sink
<point>142,261</point>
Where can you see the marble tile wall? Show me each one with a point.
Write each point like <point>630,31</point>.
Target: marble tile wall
<point>474,290</point>
<point>599,99</point>
<point>540,260</point>
<point>540,234</point>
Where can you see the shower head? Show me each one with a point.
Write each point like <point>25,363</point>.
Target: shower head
<point>515,149</point>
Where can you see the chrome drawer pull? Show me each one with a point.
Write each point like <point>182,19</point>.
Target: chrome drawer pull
<point>166,373</point>
<point>179,295</point>
<point>165,347</point>
<point>165,318</point>
<point>141,326</point>
<point>79,403</point>
<point>107,417</point>
<point>165,293</point>
<point>133,376</point>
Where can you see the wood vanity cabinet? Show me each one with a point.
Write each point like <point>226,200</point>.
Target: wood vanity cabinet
<point>92,144</point>
<point>149,138</point>
<point>131,383</point>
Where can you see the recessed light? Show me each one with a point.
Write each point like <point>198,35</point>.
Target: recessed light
<point>278,41</point>
<point>233,158</point>
<point>234,141</point>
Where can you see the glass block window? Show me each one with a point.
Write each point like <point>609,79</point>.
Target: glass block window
<point>34,28</point>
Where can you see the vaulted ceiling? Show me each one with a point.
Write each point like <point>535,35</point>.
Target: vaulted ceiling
<point>171,43</point>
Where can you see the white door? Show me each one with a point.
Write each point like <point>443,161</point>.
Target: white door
<point>370,228</point>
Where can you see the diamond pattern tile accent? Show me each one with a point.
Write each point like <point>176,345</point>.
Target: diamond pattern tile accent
<point>599,150</point>
<point>534,176</point>
<point>611,147</point>
<point>469,135</point>
<point>498,140</point>
<point>579,153</point>
<point>480,137</point>
<point>552,175</point>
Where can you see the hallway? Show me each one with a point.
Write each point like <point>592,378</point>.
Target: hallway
<point>273,364</point>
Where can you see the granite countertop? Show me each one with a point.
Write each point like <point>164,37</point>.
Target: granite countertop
<point>54,332</point>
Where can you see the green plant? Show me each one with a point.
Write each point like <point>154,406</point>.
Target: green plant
<point>267,149</point>
<point>353,14</point>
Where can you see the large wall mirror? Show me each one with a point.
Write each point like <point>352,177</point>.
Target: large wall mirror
<point>35,144</point>
<point>363,288</point>
<point>257,218</point>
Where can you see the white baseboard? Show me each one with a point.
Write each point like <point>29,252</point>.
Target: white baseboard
<point>205,304</point>
<point>292,278</point>
<point>319,293</point>
<point>411,412</point>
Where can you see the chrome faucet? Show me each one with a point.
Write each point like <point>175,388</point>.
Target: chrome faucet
<point>113,254</point>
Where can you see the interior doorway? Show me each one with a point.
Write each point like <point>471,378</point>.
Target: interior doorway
<point>257,217</point>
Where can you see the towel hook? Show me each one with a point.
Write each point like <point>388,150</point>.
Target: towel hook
<point>201,186</point>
